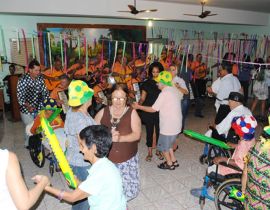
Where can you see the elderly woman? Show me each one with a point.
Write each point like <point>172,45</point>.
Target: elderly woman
<point>126,126</point>
<point>77,118</point>
<point>103,186</point>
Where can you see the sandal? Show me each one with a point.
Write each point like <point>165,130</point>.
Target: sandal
<point>165,165</point>
<point>175,164</point>
<point>159,155</point>
<point>148,158</point>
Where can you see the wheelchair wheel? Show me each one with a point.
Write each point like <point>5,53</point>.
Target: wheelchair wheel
<point>36,150</point>
<point>223,200</point>
<point>216,152</point>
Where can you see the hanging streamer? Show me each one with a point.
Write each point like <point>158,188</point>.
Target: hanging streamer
<point>140,49</point>
<point>45,49</point>
<point>33,46</point>
<point>102,52</point>
<point>50,51</point>
<point>3,43</point>
<point>79,47</point>
<point>133,51</point>
<point>1,65</point>
<point>65,53</point>
<point>86,55</point>
<point>110,51</point>
<point>61,50</point>
<point>18,42</point>
<point>187,57</point>
<point>123,53</point>
<point>25,50</point>
<point>115,53</point>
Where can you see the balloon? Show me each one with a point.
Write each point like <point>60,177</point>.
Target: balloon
<point>207,139</point>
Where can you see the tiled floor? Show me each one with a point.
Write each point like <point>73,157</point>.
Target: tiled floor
<point>160,189</point>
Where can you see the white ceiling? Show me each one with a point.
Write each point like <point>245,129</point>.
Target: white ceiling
<point>250,5</point>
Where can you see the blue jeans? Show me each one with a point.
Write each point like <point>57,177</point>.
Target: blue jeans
<point>185,106</point>
<point>81,173</point>
<point>27,119</point>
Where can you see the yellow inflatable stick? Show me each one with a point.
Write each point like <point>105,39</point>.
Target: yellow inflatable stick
<point>63,163</point>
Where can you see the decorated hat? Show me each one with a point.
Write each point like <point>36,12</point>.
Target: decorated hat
<point>165,78</point>
<point>49,103</point>
<point>244,126</point>
<point>79,93</point>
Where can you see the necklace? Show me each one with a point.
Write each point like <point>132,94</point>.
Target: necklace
<point>116,120</point>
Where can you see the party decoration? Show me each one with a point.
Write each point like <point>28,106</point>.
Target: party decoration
<point>61,49</point>
<point>236,194</point>
<point>33,46</point>
<point>65,53</point>
<point>206,139</point>
<point>59,154</point>
<point>3,42</point>
<point>25,50</point>
<point>50,50</point>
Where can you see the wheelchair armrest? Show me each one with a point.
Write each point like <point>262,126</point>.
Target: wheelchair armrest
<point>231,166</point>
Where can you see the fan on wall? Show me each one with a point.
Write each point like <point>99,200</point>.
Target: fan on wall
<point>204,14</point>
<point>133,10</point>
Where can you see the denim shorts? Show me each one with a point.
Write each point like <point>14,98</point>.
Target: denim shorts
<point>165,142</point>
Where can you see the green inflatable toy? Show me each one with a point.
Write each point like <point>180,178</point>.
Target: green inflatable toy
<point>206,139</point>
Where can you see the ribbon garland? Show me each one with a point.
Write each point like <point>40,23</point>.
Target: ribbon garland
<point>187,57</point>
<point>33,46</point>
<point>86,55</point>
<point>110,51</point>
<point>123,53</point>
<point>79,47</point>
<point>3,43</point>
<point>45,49</point>
<point>115,54</point>
<point>25,50</point>
<point>133,51</point>
<point>50,51</point>
<point>18,42</point>
<point>65,53</point>
<point>61,50</point>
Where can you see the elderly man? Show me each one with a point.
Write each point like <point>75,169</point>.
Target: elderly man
<point>168,104</point>
<point>221,88</point>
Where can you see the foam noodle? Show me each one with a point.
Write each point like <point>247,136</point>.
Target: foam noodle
<point>59,154</point>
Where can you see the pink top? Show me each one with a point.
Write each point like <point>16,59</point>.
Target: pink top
<point>168,104</point>
<point>238,156</point>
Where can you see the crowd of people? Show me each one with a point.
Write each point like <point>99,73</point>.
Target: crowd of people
<point>105,110</point>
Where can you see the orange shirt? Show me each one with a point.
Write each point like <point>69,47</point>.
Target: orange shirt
<point>51,84</point>
<point>123,71</point>
<point>199,70</point>
<point>56,123</point>
<point>165,64</point>
<point>235,69</point>
<point>54,93</point>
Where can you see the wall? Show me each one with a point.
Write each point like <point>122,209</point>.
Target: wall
<point>10,23</point>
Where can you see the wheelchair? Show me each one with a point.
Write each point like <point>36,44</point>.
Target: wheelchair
<point>223,186</point>
<point>40,150</point>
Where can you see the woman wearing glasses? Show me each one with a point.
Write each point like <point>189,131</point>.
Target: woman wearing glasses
<point>126,130</point>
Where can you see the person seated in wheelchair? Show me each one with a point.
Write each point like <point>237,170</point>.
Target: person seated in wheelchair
<point>47,111</point>
<point>244,127</point>
<point>57,123</point>
<point>223,131</point>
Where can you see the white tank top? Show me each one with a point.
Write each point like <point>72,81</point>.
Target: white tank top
<point>6,202</point>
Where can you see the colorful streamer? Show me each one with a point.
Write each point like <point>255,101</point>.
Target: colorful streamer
<point>33,46</point>
<point>86,55</point>
<point>50,51</point>
<point>61,50</point>
<point>18,42</point>
<point>65,53</point>
<point>3,43</point>
<point>25,50</point>
<point>115,54</point>
<point>45,49</point>
<point>79,47</point>
<point>123,53</point>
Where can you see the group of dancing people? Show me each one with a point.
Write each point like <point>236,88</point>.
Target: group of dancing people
<point>102,146</point>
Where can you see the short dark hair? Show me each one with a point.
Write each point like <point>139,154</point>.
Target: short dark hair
<point>227,66</point>
<point>99,135</point>
<point>33,63</point>
<point>152,66</point>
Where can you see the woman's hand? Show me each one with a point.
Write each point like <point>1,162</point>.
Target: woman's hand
<point>41,179</point>
<point>115,135</point>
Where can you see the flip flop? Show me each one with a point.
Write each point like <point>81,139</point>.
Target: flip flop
<point>148,158</point>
